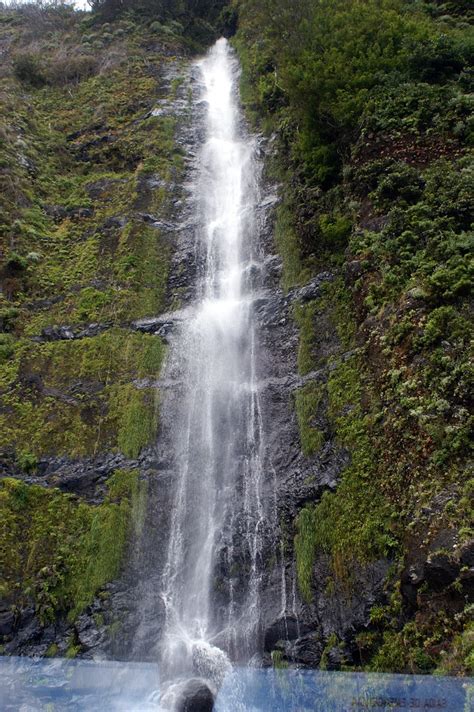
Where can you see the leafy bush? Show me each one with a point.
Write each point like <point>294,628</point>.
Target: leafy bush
<point>399,183</point>
<point>7,347</point>
<point>71,69</point>
<point>14,264</point>
<point>8,315</point>
<point>417,107</point>
<point>443,323</point>
<point>334,231</point>
<point>436,59</point>
<point>28,68</point>
<point>27,461</point>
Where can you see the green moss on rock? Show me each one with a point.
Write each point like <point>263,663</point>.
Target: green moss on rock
<point>79,397</point>
<point>57,551</point>
<point>305,317</point>
<point>307,401</point>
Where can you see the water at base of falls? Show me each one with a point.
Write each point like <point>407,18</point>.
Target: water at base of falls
<point>211,579</point>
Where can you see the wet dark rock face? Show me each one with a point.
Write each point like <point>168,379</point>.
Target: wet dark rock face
<point>135,600</point>
<point>28,637</point>
<point>434,568</point>
<point>162,325</point>
<point>86,477</point>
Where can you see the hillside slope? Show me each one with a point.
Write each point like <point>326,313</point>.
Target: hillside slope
<point>90,172</point>
<point>371,114</point>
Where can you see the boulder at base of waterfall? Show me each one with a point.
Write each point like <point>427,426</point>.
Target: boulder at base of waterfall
<point>196,697</point>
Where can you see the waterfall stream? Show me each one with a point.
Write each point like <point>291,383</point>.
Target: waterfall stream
<point>217,448</point>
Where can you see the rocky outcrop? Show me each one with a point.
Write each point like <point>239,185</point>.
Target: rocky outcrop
<point>85,477</point>
<point>68,333</point>
<point>161,325</point>
<point>436,568</point>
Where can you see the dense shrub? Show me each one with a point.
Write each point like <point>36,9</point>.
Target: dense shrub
<point>28,69</point>
<point>436,59</point>
<point>6,347</point>
<point>71,68</point>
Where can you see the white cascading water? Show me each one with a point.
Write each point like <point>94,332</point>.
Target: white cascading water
<point>217,434</point>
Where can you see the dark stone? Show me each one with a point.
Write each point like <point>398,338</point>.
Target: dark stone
<point>29,632</point>
<point>466,578</point>
<point>161,325</point>
<point>86,129</point>
<point>83,150</point>
<point>84,388</point>
<point>98,188</point>
<point>85,477</point>
<point>415,575</point>
<point>88,633</point>
<point>57,212</point>
<point>286,628</point>
<point>33,381</point>
<point>146,217</point>
<point>196,697</point>
<point>440,571</point>
<point>271,310</point>
<point>312,290</point>
<point>335,658</point>
<point>57,333</point>
<point>83,212</point>
<point>28,164</point>
<point>353,270</point>
<point>341,613</point>
<point>7,623</point>
<point>307,650</point>
<point>466,553</point>
<point>410,581</point>
<point>46,303</point>
<point>91,330</point>
<point>69,333</point>
<point>115,222</point>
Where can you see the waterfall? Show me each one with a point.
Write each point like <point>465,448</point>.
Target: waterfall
<point>210,586</point>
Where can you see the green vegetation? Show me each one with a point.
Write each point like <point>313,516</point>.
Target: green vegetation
<point>77,166</point>
<point>197,22</point>
<point>277,660</point>
<point>287,242</point>
<point>83,164</point>
<point>307,402</point>
<point>137,423</point>
<point>71,226</point>
<point>56,551</point>
<point>354,523</point>
<point>418,646</point>
<point>371,108</point>
<point>78,397</point>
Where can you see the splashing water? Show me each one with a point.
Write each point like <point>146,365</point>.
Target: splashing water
<point>211,579</point>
